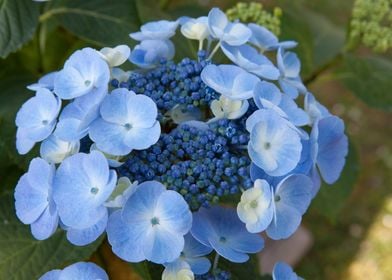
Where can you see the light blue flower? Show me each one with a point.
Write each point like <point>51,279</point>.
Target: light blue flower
<point>149,53</point>
<point>275,146</point>
<point>195,28</point>
<point>127,121</point>
<point>268,96</point>
<point>47,81</point>
<point>55,150</point>
<point>234,34</point>
<point>82,184</point>
<point>290,66</point>
<point>33,199</point>
<point>76,118</point>
<point>329,148</point>
<point>36,119</point>
<point>85,236</point>
<point>85,72</point>
<point>283,271</point>
<point>229,80</point>
<point>221,229</point>
<point>116,56</point>
<point>249,59</point>
<point>314,109</point>
<point>227,108</point>
<point>79,271</point>
<point>277,210</point>
<point>151,225</point>
<point>156,30</point>
<point>265,40</point>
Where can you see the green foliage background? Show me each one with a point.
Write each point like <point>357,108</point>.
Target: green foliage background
<point>36,38</point>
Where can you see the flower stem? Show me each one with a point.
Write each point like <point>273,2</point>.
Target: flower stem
<point>214,51</point>
<point>215,265</point>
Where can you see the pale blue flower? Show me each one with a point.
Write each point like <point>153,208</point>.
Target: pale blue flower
<point>36,119</point>
<point>283,271</point>
<point>85,236</point>
<point>290,66</point>
<point>268,96</point>
<point>116,56</point>
<point>85,72</point>
<point>151,225</point>
<point>221,229</point>
<point>275,146</point>
<point>249,59</point>
<point>76,118</point>
<point>156,30</point>
<point>77,271</point>
<point>227,108</point>
<point>277,210</point>
<point>234,34</point>
<point>82,184</point>
<point>47,81</point>
<point>127,121</point>
<point>149,53</point>
<point>329,148</point>
<point>314,109</point>
<point>265,40</point>
<point>55,150</point>
<point>33,199</point>
<point>195,28</point>
<point>229,80</point>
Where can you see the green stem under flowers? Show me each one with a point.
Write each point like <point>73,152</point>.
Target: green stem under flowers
<point>216,48</point>
<point>201,44</point>
<point>215,265</point>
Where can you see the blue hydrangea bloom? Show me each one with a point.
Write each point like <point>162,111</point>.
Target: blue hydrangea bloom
<point>55,150</point>
<point>274,145</point>
<point>251,60</point>
<point>127,121</point>
<point>47,81</point>
<point>221,229</point>
<point>151,225</point>
<point>290,67</point>
<point>231,81</point>
<point>85,72</point>
<point>269,96</point>
<point>149,53</point>
<point>82,237</point>
<point>76,118</point>
<point>265,40</point>
<point>234,34</point>
<point>36,119</point>
<point>33,199</point>
<point>83,182</point>
<point>329,147</point>
<point>283,271</point>
<point>79,271</point>
<point>156,30</point>
<point>277,210</point>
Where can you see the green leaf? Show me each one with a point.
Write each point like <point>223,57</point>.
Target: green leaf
<point>102,22</point>
<point>22,257</point>
<point>18,21</point>
<point>369,78</point>
<point>150,10</point>
<point>330,200</point>
<point>239,271</point>
<point>142,268</point>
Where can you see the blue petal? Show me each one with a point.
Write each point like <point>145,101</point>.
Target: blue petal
<point>217,22</point>
<point>114,107</point>
<point>51,275</point>
<point>83,271</point>
<point>283,271</point>
<point>125,238</point>
<point>228,252</point>
<point>174,213</point>
<point>46,224</point>
<point>82,237</point>
<point>262,37</point>
<point>267,91</point>
<point>291,64</point>
<point>295,114</point>
<point>194,248</point>
<point>236,34</point>
<point>150,52</point>
<point>46,81</point>
<point>140,138</point>
<point>199,266</point>
<point>23,142</point>
<point>285,223</point>
<point>142,110</point>
<point>162,29</point>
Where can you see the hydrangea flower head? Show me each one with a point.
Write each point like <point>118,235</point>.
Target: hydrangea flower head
<point>80,271</point>
<point>151,225</point>
<point>36,119</point>
<point>33,199</point>
<point>221,229</point>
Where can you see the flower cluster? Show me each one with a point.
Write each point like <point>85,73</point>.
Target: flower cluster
<point>145,156</point>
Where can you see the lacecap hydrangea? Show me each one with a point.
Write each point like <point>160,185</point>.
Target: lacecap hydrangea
<point>145,156</point>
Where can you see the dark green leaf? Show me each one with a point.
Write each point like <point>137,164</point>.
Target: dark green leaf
<point>150,10</point>
<point>331,199</point>
<point>22,257</point>
<point>370,79</point>
<point>18,21</point>
<point>142,268</point>
<point>102,22</point>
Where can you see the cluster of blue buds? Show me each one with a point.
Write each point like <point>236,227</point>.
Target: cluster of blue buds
<point>145,156</point>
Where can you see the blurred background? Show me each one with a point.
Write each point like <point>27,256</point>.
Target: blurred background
<point>346,53</point>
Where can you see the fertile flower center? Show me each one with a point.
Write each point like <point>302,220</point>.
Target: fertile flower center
<point>87,83</point>
<point>45,122</point>
<point>222,239</point>
<point>267,145</point>
<point>277,198</point>
<point>94,190</point>
<point>154,221</point>
<point>128,126</point>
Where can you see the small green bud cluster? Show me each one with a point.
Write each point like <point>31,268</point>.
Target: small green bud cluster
<point>254,12</point>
